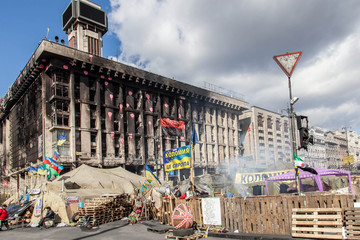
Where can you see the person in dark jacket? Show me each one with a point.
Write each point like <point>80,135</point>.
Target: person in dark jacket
<point>177,192</point>
<point>283,188</point>
<point>4,217</point>
<point>50,215</point>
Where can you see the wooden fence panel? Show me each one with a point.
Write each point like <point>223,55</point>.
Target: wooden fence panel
<point>262,214</point>
<point>352,222</point>
<point>322,223</point>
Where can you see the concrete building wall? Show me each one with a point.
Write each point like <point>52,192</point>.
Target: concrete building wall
<point>111,114</point>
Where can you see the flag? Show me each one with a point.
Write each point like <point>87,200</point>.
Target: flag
<point>299,162</point>
<point>52,165</point>
<point>194,137</point>
<point>150,175</point>
<point>56,155</point>
<point>32,171</point>
<point>47,162</point>
<point>171,127</point>
<point>62,140</point>
<point>42,170</point>
<point>53,172</point>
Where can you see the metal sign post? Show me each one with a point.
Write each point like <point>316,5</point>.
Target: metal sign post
<point>287,63</point>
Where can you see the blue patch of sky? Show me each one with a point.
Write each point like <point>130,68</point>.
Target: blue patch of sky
<point>135,59</point>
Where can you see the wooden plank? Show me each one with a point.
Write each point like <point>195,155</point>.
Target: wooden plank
<point>310,217</point>
<point>312,236</point>
<point>304,210</point>
<point>310,222</point>
<point>319,223</point>
<point>312,229</point>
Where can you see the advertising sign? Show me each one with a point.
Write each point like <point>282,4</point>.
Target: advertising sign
<point>178,158</point>
<point>348,159</point>
<point>245,178</point>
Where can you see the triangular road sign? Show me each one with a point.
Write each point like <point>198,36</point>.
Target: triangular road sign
<point>288,61</point>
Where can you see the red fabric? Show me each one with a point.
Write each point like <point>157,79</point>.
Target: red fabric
<point>164,122</point>
<point>3,214</point>
<point>183,196</point>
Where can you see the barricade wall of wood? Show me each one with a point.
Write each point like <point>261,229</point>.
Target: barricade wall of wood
<point>107,209</point>
<point>262,215</point>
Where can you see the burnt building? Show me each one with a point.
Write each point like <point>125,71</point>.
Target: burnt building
<point>109,112</point>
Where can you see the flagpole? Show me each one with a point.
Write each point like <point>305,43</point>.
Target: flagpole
<point>194,140</point>
<point>192,168</point>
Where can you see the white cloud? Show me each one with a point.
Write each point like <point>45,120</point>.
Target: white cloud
<point>231,44</point>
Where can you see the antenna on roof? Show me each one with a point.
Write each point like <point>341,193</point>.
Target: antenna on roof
<point>47,33</point>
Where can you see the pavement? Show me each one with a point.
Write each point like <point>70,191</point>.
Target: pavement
<point>145,230</point>
<point>114,230</point>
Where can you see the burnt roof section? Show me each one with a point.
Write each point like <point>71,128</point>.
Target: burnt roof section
<point>50,53</point>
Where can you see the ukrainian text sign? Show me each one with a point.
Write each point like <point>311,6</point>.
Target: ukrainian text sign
<point>245,178</point>
<point>178,158</point>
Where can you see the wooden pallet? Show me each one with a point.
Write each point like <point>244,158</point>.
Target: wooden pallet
<point>352,222</point>
<point>321,223</point>
<point>195,236</point>
<point>106,209</point>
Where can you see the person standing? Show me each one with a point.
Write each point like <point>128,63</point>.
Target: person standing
<point>4,217</point>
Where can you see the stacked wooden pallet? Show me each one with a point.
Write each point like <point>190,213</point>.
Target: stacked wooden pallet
<point>352,222</point>
<point>107,208</point>
<point>194,236</point>
<point>321,223</point>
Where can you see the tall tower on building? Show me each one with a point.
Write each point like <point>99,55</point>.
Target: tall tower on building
<point>85,23</point>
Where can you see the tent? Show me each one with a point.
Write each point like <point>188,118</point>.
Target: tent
<point>88,182</point>
<point>304,174</point>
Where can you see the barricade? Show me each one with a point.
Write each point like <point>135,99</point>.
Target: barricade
<point>261,214</point>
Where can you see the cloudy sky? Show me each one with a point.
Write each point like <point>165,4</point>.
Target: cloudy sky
<point>227,43</point>
<point>232,43</point>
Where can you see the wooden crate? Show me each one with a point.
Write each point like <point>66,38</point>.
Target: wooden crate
<point>321,223</point>
<point>352,222</point>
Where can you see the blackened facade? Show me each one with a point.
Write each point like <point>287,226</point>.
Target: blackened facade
<point>110,113</point>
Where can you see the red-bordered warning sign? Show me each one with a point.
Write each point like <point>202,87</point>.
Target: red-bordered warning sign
<point>288,62</point>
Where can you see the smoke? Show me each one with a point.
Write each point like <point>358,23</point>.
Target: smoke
<point>242,165</point>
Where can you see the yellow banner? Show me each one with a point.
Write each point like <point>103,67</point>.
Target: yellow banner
<point>349,159</point>
<point>178,158</point>
<point>245,178</point>
<point>178,164</point>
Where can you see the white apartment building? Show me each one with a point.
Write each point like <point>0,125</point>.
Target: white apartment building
<point>316,154</point>
<point>353,140</point>
<point>268,139</point>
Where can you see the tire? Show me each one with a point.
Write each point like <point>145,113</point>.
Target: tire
<point>75,217</point>
<point>183,232</point>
